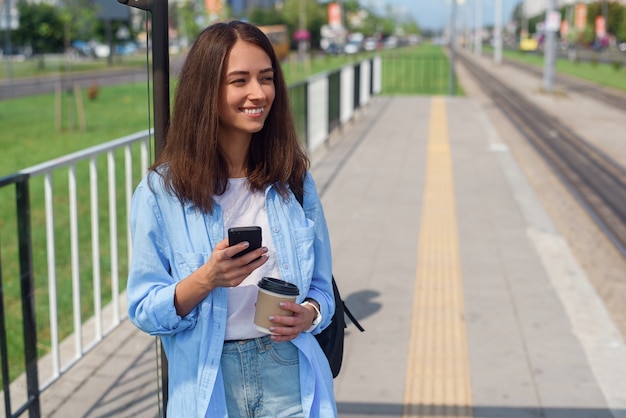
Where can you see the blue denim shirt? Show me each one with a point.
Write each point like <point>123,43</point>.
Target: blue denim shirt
<point>171,240</point>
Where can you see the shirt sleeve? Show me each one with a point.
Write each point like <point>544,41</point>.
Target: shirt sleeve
<point>321,284</point>
<point>151,287</point>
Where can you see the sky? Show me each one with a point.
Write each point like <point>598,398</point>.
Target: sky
<point>435,14</point>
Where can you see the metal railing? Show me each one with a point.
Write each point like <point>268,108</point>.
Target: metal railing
<point>51,211</point>
<point>65,237</point>
<point>425,74</point>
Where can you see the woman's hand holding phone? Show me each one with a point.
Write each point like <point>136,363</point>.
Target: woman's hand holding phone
<point>221,270</point>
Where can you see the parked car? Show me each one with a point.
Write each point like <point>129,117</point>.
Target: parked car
<point>391,42</point>
<point>126,48</point>
<point>82,47</point>
<point>100,50</point>
<point>369,44</point>
<point>352,47</point>
<point>333,49</point>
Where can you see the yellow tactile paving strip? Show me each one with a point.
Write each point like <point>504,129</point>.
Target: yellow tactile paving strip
<point>438,380</point>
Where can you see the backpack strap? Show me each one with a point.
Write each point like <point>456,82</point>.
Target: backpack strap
<point>352,318</point>
<point>299,198</point>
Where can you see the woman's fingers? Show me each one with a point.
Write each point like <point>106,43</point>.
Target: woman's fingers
<point>289,327</point>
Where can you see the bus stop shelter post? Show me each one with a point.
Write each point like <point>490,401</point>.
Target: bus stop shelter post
<point>161,101</point>
<point>160,66</point>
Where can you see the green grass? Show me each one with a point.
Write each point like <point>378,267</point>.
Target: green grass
<point>61,225</point>
<point>419,70</point>
<point>423,69</point>
<point>29,124</point>
<point>30,137</point>
<point>604,74</point>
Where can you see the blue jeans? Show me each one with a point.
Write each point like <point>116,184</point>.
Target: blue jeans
<point>262,379</point>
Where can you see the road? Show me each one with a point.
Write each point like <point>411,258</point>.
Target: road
<point>30,86</point>
<point>22,87</point>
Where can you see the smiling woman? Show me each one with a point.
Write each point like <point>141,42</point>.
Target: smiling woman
<point>232,159</point>
<point>246,98</point>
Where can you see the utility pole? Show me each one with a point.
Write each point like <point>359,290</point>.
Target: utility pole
<point>302,26</point>
<point>524,23</point>
<point>7,40</point>
<point>478,36</point>
<point>452,82</point>
<point>497,34</point>
<point>605,14</point>
<point>549,60</point>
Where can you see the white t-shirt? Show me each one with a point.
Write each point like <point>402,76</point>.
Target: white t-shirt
<point>242,207</point>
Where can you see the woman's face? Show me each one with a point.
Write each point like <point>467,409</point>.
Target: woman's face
<point>247,92</point>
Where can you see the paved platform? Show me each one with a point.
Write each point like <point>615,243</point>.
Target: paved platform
<point>458,252</point>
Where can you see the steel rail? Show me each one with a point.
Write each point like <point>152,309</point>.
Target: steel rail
<point>593,177</point>
<point>605,95</point>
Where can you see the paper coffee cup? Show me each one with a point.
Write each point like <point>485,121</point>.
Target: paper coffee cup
<point>272,292</point>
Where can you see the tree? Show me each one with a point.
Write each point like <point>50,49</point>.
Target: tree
<point>518,17</point>
<point>79,20</point>
<point>261,17</point>
<point>184,15</point>
<point>372,24</point>
<point>41,28</point>
<point>620,32</point>
<point>314,14</point>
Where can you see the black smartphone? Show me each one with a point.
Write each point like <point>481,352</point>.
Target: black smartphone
<point>238,234</point>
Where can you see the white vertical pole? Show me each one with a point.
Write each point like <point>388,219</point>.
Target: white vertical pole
<point>95,247</point>
<point>497,53</point>
<point>52,276</point>
<point>549,61</point>
<point>115,296</point>
<point>75,263</point>
<point>452,82</point>
<point>128,160</point>
<point>478,37</point>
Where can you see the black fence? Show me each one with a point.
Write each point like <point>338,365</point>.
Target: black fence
<point>27,291</point>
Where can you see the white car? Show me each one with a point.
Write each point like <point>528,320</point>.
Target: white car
<point>369,44</point>
<point>352,47</point>
<point>101,50</point>
<point>391,42</point>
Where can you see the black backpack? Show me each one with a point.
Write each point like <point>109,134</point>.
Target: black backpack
<point>331,339</point>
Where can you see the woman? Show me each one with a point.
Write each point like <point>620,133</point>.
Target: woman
<point>232,159</point>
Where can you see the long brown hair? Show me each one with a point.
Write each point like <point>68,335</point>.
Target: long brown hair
<point>192,165</point>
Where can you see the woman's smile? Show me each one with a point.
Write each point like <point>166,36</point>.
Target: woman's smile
<point>253,111</point>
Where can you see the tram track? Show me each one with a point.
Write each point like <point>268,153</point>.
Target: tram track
<point>612,98</point>
<point>593,177</point>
